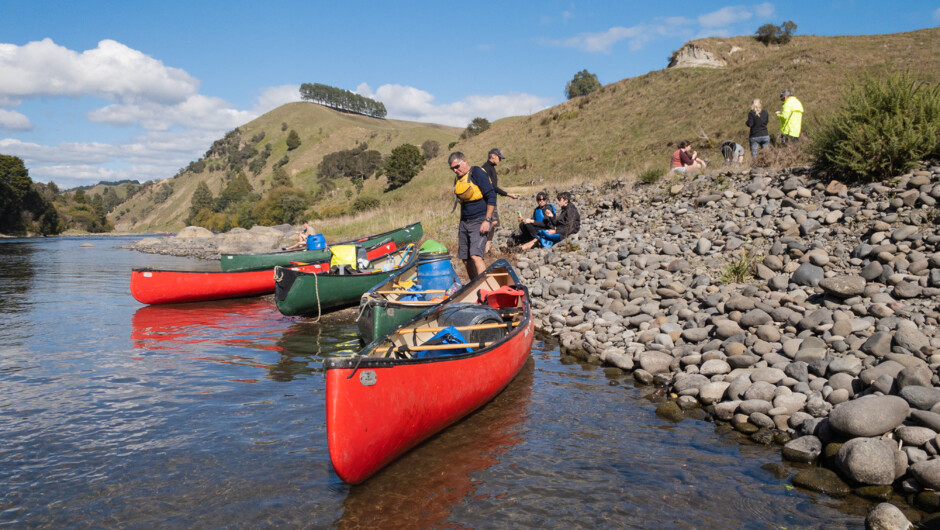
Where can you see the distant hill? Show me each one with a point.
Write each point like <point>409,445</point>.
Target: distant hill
<point>321,130</point>
<point>620,130</point>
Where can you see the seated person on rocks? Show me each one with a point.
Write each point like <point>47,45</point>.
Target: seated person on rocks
<point>543,217</point>
<point>567,222</point>
<point>733,153</point>
<point>683,161</point>
<point>302,236</point>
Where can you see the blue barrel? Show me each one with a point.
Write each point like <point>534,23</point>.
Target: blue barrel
<point>435,272</point>
<point>316,242</point>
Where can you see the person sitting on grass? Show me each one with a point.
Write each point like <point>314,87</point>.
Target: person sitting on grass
<point>567,222</point>
<point>682,161</point>
<point>543,217</point>
<point>302,236</point>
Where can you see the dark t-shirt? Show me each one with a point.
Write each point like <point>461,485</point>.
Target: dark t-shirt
<point>475,209</point>
<point>758,123</point>
<point>491,171</point>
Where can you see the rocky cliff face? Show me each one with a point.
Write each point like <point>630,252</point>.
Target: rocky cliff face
<point>690,56</point>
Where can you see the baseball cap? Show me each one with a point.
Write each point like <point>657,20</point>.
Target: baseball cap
<point>497,152</point>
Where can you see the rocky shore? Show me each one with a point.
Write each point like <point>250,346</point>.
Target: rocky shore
<point>801,311</point>
<point>198,242</point>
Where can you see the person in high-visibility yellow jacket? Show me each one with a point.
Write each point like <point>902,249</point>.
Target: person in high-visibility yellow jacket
<point>791,117</point>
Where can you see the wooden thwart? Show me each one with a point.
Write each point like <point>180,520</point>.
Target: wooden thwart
<point>474,327</point>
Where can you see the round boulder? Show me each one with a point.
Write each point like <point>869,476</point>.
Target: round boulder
<point>869,416</point>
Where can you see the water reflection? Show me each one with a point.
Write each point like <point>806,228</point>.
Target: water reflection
<point>420,489</point>
<point>16,270</point>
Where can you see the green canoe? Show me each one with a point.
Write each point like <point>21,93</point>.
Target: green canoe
<point>243,262</point>
<point>298,293</point>
<point>382,309</point>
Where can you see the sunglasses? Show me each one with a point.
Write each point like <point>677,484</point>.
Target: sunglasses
<point>455,168</point>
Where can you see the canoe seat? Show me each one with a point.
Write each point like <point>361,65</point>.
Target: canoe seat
<point>505,296</point>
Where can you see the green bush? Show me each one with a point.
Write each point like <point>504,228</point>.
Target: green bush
<point>883,128</point>
<point>651,175</point>
<point>362,204</point>
<point>334,210</point>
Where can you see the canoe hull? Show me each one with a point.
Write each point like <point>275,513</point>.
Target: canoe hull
<point>297,293</point>
<point>378,406</point>
<point>402,416</point>
<point>150,286</point>
<point>241,262</point>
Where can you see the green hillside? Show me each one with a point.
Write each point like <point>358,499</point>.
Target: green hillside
<point>618,131</point>
<point>321,130</point>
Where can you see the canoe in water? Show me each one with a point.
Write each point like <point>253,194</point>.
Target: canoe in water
<point>240,262</point>
<point>402,388</point>
<point>313,294</point>
<point>155,286</point>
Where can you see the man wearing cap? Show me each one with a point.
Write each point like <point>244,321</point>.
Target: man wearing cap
<point>791,117</point>
<point>493,159</point>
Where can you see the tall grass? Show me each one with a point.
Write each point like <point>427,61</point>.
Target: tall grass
<point>882,129</point>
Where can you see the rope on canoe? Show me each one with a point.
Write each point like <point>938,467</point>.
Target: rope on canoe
<point>316,287</point>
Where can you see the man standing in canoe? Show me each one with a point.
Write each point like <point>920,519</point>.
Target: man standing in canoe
<point>477,204</point>
<point>494,157</point>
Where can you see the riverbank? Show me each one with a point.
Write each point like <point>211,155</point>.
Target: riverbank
<point>803,313</point>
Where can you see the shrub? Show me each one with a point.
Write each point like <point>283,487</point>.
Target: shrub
<point>741,267</point>
<point>402,165</point>
<point>882,129</point>
<point>362,204</point>
<point>772,34</point>
<point>334,210</point>
<point>293,140</point>
<point>651,175</point>
<point>582,84</point>
<point>477,126</point>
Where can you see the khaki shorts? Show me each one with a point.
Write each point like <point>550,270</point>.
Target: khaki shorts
<point>470,242</point>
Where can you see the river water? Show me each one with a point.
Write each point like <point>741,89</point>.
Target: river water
<point>115,414</point>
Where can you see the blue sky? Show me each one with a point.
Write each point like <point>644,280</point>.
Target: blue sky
<point>108,90</point>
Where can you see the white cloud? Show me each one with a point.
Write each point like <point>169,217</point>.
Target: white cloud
<point>410,103</point>
<point>197,111</point>
<point>936,14</point>
<point>112,71</point>
<point>715,23</point>
<point>275,96</point>
<point>605,40</point>
<point>14,121</point>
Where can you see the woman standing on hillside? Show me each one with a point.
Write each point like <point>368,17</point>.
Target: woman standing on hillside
<point>757,120</point>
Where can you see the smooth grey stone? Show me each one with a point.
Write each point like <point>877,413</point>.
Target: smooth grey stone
<point>656,362</point>
<point>927,473</point>
<point>803,449</point>
<point>793,403</point>
<point>761,390</point>
<point>887,516</point>
<point>712,392</point>
<point>807,274</point>
<point>686,382</point>
<point>844,286</point>
<point>913,435</point>
<point>714,367</point>
<point>909,337</point>
<point>750,406</point>
<point>878,344</point>
<point>920,397</point>
<point>872,270</point>
<point>927,419</point>
<point>889,368</point>
<point>867,460</point>
<point>869,415</point>
<point>797,370</point>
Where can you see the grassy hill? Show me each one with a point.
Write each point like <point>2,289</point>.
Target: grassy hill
<point>618,131</point>
<point>321,130</point>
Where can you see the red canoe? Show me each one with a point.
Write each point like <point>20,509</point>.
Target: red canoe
<point>153,286</point>
<point>400,390</point>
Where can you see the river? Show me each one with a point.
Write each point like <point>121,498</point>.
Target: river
<point>115,414</point>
